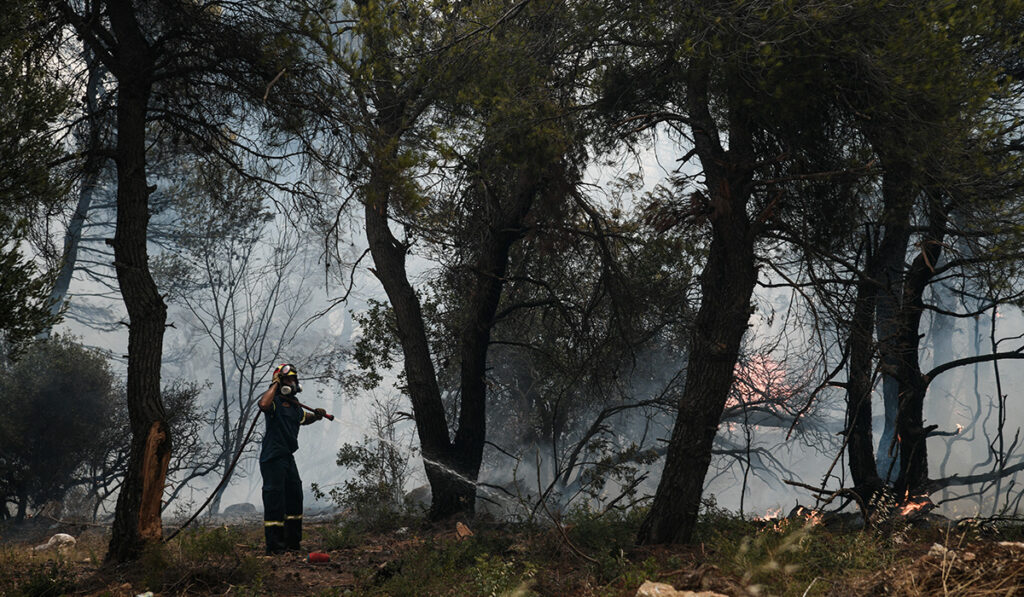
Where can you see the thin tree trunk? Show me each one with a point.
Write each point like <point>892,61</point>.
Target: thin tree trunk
<point>859,443</point>
<point>90,179</point>
<point>137,516</point>
<point>22,507</point>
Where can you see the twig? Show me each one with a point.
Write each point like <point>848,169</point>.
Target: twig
<point>73,523</point>
<point>558,525</point>
<point>808,589</point>
<point>271,84</point>
<point>223,481</point>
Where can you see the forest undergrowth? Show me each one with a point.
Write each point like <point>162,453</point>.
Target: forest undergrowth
<point>590,555</point>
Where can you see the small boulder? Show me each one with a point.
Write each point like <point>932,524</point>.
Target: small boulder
<point>660,589</point>
<point>58,541</point>
<point>940,551</point>
<point>243,510</point>
<point>419,497</point>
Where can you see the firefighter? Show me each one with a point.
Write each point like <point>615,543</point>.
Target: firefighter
<point>282,488</point>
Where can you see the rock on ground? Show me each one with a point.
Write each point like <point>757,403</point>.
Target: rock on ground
<point>660,589</point>
<point>57,541</point>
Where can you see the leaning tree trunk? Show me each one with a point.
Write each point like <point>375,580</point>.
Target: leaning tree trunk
<point>452,486</point>
<point>504,226</point>
<point>727,284</point>
<point>452,467</point>
<point>137,517</point>
<point>91,171</point>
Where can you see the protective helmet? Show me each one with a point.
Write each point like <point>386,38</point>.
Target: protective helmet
<point>288,370</point>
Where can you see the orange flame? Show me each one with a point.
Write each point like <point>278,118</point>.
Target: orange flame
<point>914,505</point>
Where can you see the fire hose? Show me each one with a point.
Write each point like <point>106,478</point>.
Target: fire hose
<point>231,468</point>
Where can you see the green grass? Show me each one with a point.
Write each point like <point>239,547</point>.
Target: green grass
<point>344,536</point>
<point>206,559</point>
<point>479,565</point>
<point>593,554</point>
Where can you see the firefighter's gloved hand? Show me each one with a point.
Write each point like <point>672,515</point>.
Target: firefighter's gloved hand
<point>320,413</point>
<point>276,379</point>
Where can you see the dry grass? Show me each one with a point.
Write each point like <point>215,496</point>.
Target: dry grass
<point>965,570</point>
<point>734,557</point>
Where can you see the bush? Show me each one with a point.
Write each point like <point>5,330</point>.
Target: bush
<point>375,494</point>
<point>57,393</point>
<point>49,579</point>
<point>208,558</point>
<point>608,533</point>
<point>474,566</point>
<point>345,536</point>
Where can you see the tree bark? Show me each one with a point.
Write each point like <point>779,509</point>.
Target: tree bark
<point>727,284</point>
<point>90,180</point>
<point>452,490</point>
<point>912,433</point>
<point>860,382</point>
<point>137,516</point>
<point>878,298</point>
<point>452,466</point>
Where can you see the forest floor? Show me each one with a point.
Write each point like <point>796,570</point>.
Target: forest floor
<point>589,556</point>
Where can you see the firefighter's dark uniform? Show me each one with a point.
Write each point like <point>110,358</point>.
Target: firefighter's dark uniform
<point>282,488</point>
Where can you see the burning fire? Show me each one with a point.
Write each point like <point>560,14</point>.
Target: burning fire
<point>760,379</point>
<point>814,517</point>
<point>779,524</point>
<point>916,504</point>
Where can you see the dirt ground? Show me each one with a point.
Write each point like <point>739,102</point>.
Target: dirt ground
<point>286,574</point>
<point>927,563</point>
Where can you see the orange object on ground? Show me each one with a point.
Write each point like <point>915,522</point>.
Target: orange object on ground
<point>318,556</point>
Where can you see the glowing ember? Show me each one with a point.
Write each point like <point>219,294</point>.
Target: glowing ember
<point>814,517</point>
<point>760,379</point>
<point>916,504</point>
<point>959,428</point>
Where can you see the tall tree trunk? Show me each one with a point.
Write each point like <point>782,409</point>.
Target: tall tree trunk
<point>504,226</point>
<point>727,284</point>
<point>889,275</point>
<point>859,390</point>
<point>90,180</point>
<point>452,466</point>
<point>878,295</point>
<point>887,270</point>
<point>912,433</point>
<point>137,516</point>
<point>452,490</point>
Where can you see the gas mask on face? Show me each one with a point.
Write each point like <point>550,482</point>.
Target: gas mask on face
<point>287,390</point>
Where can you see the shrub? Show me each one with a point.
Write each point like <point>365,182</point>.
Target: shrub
<point>48,579</point>
<point>344,536</point>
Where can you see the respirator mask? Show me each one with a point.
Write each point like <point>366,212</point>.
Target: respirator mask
<point>283,371</point>
<point>287,390</point>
